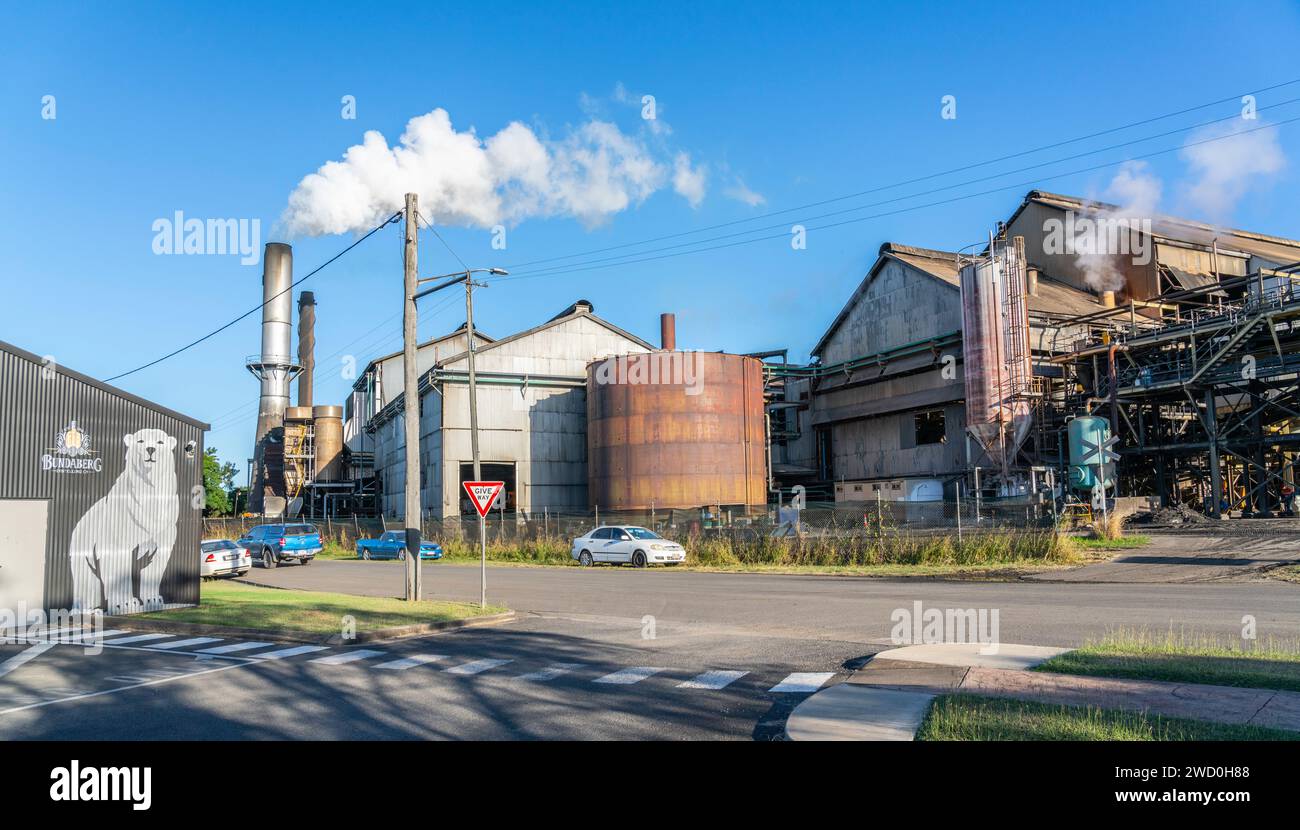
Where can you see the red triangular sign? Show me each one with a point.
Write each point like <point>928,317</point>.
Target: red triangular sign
<point>483,493</point>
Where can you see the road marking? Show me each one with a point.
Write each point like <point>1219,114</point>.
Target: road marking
<point>411,662</point>
<point>138,638</point>
<point>476,667</point>
<point>289,652</point>
<point>70,635</point>
<point>803,681</point>
<point>196,641</point>
<point>713,680</point>
<point>244,646</point>
<point>24,657</point>
<point>86,695</point>
<point>548,673</point>
<point>630,675</point>
<point>346,657</point>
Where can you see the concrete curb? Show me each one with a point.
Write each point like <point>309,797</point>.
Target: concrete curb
<point>888,698</point>
<point>848,712</point>
<point>136,623</point>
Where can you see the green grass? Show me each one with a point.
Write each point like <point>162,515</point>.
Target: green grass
<point>963,717</point>
<point>335,550</point>
<point>1182,658</point>
<point>248,606</point>
<point>866,553</point>
<point>857,552</point>
<point>1286,573</point>
<point>1121,542</point>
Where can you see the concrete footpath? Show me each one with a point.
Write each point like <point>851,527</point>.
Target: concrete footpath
<point>889,697</point>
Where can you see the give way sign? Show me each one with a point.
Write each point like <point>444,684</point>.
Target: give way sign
<point>483,494</point>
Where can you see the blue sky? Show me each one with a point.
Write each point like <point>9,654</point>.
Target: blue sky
<point>221,110</point>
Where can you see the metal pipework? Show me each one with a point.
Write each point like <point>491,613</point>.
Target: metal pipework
<point>306,345</point>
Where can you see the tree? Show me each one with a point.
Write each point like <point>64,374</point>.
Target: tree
<point>218,478</point>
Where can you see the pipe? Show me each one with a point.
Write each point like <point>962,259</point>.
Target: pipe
<point>1031,280</point>
<point>668,332</point>
<point>306,345</point>
<point>1108,299</point>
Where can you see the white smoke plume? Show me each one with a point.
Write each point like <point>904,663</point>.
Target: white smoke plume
<point>688,181</point>
<point>1225,170</point>
<point>1105,235</point>
<point>591,174</point>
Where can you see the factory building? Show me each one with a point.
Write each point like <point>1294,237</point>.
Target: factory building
<point>969,366</point>
<point>532,418</point>
<point>97,494</point>
<point>381,382</point>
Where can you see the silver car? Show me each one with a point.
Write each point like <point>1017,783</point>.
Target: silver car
<point>626,543</point>
<point>222,557</point>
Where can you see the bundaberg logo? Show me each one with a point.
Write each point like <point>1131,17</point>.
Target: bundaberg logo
<point>71,452</point>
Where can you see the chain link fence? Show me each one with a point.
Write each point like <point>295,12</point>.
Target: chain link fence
<point>822,533</point>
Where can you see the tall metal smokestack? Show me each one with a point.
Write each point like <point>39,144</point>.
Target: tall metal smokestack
<point>668,332</point>
<point>306,345</point>
<point>275,368</point>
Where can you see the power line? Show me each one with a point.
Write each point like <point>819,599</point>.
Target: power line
<point>913,180</point>
<point>430,226</point>
<point>784,234</point>
<point>259,306</point>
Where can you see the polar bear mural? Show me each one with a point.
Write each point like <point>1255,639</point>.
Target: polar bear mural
<point>132,528</point>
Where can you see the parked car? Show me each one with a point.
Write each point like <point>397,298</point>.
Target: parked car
<point>271,545</point>
<point>222,557</point>
<point>392,545</point>
<point>626,543</point>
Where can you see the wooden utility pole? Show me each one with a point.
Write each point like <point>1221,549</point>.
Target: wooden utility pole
<point>473,436</point>
<point>411,396</point>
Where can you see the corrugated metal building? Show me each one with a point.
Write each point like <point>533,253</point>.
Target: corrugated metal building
<point>101,499</point>
<point>381,381</point>
<point>887,408</point>
<point>532,410</point>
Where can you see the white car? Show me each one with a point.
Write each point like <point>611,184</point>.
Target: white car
<point>222,557</point>
<point>626,543</point>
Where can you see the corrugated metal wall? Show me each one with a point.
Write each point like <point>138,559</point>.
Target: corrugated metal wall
<point>104,486</point>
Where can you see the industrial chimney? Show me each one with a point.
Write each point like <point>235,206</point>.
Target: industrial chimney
<point>275,368</point>
<point>668,332</point>
<point>306,345</point>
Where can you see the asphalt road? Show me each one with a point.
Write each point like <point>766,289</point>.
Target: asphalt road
<point>838,608</point>
<point>537,678</point>
<point>692,655</point>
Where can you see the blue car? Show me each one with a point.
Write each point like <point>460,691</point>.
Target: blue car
<point>271,545</point>
<point>392,545</point>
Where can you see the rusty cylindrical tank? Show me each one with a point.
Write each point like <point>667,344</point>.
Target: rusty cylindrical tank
<point>329,442</point>
<point>675,429</point>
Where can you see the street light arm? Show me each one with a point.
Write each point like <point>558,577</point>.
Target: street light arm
<point>449,280</point>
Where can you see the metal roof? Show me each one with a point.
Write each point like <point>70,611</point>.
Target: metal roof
<point>941,265</point>
<point>1274,248</point>
<point>99,384</point>
<point>578,310</point>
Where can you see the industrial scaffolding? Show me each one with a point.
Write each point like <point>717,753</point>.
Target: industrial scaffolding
<point>1200,385</point>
